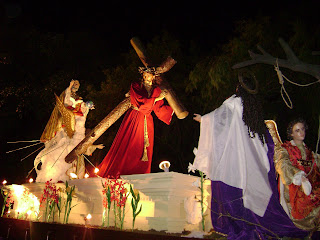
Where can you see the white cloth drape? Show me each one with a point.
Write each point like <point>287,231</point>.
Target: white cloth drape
<point>53,155</point>
<point>226,153</point>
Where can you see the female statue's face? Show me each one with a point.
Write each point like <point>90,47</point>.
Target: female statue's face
<point>75,86</point>
<point>298,132</point>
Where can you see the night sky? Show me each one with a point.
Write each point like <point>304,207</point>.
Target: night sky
<point>207,23</point>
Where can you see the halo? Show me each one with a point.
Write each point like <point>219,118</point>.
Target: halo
<point>248,74</point>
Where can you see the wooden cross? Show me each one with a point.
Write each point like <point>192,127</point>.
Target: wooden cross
<point>170,95</point>
<point>123,106</point>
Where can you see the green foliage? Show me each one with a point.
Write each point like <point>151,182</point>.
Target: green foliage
<point>202,175</point>
<point>5,192</point>
<point>68,204</point>
<point>134,204</point>
<point>213,79</point>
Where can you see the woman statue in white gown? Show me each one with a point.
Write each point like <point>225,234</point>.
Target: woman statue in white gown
<point>64,131</point>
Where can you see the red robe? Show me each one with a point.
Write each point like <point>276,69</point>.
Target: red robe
<point>126,152</point>
<point>302,204</point>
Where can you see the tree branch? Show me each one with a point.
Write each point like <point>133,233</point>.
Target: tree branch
<point>292,62</point>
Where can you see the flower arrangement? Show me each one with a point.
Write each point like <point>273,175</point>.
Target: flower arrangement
<point>121,202</point>
<point>106,201</point>
<point>50,198</point>
<point>7,199</point>
<point>115,192</point>
<point>26,204</point>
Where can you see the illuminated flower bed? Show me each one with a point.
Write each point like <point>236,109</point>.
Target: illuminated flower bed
<point>164,202</point>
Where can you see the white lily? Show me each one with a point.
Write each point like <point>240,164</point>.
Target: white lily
<point>191,168</point>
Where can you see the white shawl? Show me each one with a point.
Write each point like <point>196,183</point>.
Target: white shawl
<point>226,153</point>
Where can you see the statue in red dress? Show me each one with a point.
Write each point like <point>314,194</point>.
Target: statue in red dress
<point>298,168</point>
<point>132,148</point>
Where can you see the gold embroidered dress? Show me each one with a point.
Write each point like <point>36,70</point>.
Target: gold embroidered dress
<point>290,160</point>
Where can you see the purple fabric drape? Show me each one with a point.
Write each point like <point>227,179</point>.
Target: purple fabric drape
<point>228,200</point>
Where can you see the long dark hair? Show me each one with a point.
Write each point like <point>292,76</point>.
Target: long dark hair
<point>252,116</point>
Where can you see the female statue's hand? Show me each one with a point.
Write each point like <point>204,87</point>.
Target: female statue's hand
<point>197,117</point>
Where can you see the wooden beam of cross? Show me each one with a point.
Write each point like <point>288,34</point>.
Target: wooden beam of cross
<point>95,133</point>
<point>123,106</point>
<point>170,95</point>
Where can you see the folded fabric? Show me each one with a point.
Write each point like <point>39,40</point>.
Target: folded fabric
<point>297,178</point>
<point>306,185</point>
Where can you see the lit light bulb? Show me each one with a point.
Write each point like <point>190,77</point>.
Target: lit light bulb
<point>4,182</point>
<point>86,175</point>
<point>164,165</point>
<point>31,180</point>
<point>73,175</point>
<point>96,170</point>
<point>87,219</point>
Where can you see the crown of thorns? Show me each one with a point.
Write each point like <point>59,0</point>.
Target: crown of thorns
<point>151,70</point>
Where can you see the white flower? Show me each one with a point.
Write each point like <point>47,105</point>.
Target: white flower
<point>191,168</point>
<point>195,150</point>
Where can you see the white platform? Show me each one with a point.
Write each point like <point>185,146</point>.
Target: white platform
<point>169,202</point>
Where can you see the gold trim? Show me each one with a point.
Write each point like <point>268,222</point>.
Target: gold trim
<point>146,141</point>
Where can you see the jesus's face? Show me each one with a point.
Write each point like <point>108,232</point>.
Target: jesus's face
<point>148,78</point>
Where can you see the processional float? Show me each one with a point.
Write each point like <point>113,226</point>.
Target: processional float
<point>123,106</point>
